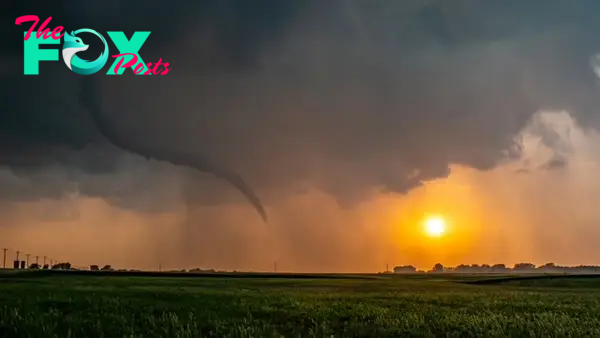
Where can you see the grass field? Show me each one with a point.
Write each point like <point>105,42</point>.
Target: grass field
<point>66,305</point>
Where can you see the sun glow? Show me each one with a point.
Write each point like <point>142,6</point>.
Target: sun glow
<point>435,226</point>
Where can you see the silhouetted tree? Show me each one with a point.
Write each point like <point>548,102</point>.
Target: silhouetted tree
<point>548,266</point>
<point>498,267</point>
<point>462,268</point>
<point>61,266</point>
<point>438,268</point>
<point>475,268</point>
<point>404,269</point>
<point>524,266</point>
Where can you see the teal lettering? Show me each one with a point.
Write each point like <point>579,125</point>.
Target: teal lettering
<point>128,46</point>
<point>33,53</point>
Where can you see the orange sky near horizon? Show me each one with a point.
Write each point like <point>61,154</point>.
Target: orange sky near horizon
<point>496,216</point>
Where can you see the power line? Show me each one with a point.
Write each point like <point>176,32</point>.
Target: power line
<point>25,264</point>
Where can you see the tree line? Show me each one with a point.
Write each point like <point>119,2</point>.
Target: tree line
<point>486,268</point>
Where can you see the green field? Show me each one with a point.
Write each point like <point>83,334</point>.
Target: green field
<point>66,305</point>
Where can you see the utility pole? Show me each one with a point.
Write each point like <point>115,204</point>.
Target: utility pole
<point>4,259</point>
<point>44,260</point>
<point>27,261</point>
<point>36,260</point>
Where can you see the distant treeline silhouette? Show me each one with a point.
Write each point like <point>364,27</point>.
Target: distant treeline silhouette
<point>57,266</point>
<point>485,268</point>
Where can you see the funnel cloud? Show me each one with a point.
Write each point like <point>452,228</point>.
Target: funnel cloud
<point>178,158</point>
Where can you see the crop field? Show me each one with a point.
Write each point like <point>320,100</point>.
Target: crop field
<point>45,304</point>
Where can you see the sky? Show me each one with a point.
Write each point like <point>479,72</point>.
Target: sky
<point>343,123</point>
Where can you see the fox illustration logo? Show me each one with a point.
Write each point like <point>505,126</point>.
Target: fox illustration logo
<point>74,44</point>
<point>128,56</point>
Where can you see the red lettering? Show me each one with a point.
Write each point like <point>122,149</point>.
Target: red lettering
<point>26,18</point>
<point>155,70</point>
<point>138,68</point>
<point>156,65</point>
<point>43,32</point>
<point>167,69</point>
<point>132,62</point>
<point>149,71</point>
<point>57,30</point>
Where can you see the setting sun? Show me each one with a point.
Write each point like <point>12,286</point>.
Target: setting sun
<point>435,226</point>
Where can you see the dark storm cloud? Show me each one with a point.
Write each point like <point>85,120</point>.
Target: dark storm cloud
<point>89,99</point>
<point>342,95</point>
